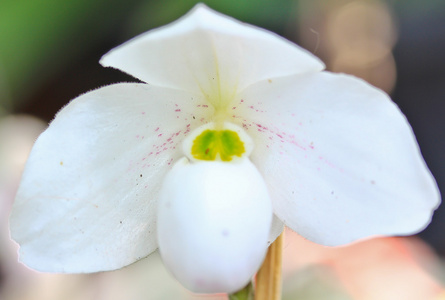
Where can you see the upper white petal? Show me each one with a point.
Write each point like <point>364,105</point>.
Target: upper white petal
<point>208,52</point>
<point>214,220</point>
<point>88,196</point>
<point>340,159</point>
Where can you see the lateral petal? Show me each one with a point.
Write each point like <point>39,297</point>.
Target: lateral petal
<point>340,159</point>
<point>88,197</point>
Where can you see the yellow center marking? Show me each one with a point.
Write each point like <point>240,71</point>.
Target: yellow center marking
<point>210,143</point>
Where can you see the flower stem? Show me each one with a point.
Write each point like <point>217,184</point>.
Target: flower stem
<point>268,278</point>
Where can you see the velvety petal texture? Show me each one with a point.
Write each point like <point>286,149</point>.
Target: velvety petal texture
<point>340,159</point>
<point>214,220</point>
<point>87,200</point>
<point>207,52</point>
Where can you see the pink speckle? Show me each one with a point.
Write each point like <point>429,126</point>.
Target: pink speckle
<point>159,135</point>
<point>143,112</point>
<point>205,105</point>
<point>251,107</point>
<point>157,129</point>
<point>234,107</point>
<point>188,125</point>
<point>137,136</point>
<point>280,136</point>
<point>199,105</point>
<point>242,101</point>
<point>177,110</point>
<point>176,105</point>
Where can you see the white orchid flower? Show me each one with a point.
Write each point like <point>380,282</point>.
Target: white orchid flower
<point>237,132</point>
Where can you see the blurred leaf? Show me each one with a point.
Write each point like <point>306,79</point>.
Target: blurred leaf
<point>39,37</point>
<point>244,294</point>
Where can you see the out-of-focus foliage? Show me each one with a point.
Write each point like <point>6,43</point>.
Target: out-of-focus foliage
<point>38,38</point>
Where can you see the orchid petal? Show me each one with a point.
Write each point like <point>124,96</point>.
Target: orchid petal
<point>276,229</point>
<point>88,196</point>
<point>340,159</point>
<point>213,222</point>
<point>208,52</point>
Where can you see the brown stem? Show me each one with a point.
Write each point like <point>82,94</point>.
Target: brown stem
<point>268,278</point>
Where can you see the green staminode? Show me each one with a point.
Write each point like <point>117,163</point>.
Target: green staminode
<point>209,143</point>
